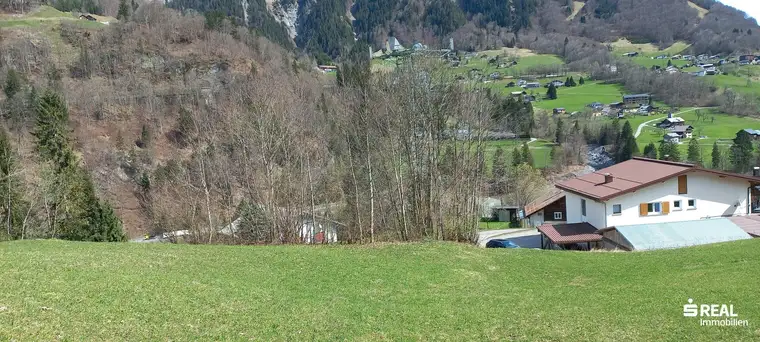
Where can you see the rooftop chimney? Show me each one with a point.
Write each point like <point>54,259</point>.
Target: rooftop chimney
<point>670,115</point>
<point>607,178</point>
<point>756,171</point>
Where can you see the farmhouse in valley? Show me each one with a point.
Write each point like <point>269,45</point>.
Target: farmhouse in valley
<point>683,131</point>
<point>671,122</point>
<point>648,204</point>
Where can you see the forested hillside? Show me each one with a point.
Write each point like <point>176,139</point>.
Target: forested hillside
<point>188,122</point>
<point>325,25</point>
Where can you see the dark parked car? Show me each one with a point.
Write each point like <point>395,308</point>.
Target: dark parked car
<point>501,243</point>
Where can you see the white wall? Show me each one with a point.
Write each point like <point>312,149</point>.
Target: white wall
<point>714,196</point>
<point>536,219</point>
<point>594,211</point>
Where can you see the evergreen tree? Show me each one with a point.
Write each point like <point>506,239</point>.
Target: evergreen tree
<point>551,93</point>
<point>627,146</point>
<point>741,152</point>
<point>12,83</point>
<point>517,158</point>
<point>716,157</point>
<point>253,224</point>
<point>123,14</point>
<point>79,215</point>
<point>650,151</point>
<point>670,63</point>
<point>567,81</point>
<point>581,81</point>
<point>51,131</point>
<point>694,154</point>
<point>571,82</point>
<point>560,132</point>
<point>669,151</point>
<point>527,157</point>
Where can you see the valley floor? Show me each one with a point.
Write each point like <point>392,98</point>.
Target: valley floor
<point>422,291</point>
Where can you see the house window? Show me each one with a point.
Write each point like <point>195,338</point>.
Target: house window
<point>557,215</point>
<point>654,208</point>
<point>616,209</point>
<point>583,207</point>
<point>691,204</point>
<point>676,205</point>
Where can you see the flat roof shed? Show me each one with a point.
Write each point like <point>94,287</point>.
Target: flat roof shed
<point>568,234</point>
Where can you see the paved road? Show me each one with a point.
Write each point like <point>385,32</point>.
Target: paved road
<point>525,238</point>
<point>638,130</point>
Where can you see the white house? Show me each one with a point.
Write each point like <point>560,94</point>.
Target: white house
<point>646,192</point>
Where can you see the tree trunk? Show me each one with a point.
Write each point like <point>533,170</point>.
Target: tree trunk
<point>371,192</point>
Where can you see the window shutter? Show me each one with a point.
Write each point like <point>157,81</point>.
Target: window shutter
<point>682,186</point>
<point>665,207</point>
<point>643,210</point>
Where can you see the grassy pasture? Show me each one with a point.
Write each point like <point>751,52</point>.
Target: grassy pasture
<point>55,290</point>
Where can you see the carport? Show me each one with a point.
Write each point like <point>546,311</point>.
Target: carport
<point>568,236</point>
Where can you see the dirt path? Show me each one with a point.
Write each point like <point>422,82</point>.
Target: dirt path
<point>641,127</point>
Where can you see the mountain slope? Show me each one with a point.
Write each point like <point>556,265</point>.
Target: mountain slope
<point>326,25</point>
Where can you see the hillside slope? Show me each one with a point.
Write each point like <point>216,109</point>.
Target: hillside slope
<point>85,291</point>
<point>129,87</point>
<point>710,27</point>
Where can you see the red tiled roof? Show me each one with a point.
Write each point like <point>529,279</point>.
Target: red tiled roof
<point>570,233</point>
<point>632,175</point>
<point>750,224</point>
<point>542,202</point>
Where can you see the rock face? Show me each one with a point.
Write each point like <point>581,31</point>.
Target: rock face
<point>287,14</point>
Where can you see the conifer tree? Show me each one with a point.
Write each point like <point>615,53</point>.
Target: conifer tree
<point>741,152</point>
<point>694,154</point>
<point>12,83</point>
<point>527,157</point>
<point>82,216</point>
<point>560,132</point>
<point>627,147</point>
<point>716,157</point>
<point>650,151</point>
<point>551,93</point>
<point>581,81</point>
<point>516,157</point>
<point>123,13</point>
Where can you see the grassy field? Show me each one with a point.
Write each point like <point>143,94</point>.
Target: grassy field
<point>45,21</point>
<point>576,98</point>
<point>54,290</point>
<point>540,149</point>
<point>493,225</point>
<point>723,130</point>
<point>741,84</point>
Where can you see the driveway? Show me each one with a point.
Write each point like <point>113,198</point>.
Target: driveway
<point>641,127</point>
<point>525,238</point>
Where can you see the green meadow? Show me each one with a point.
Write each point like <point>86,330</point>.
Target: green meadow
<point>74,291</point>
